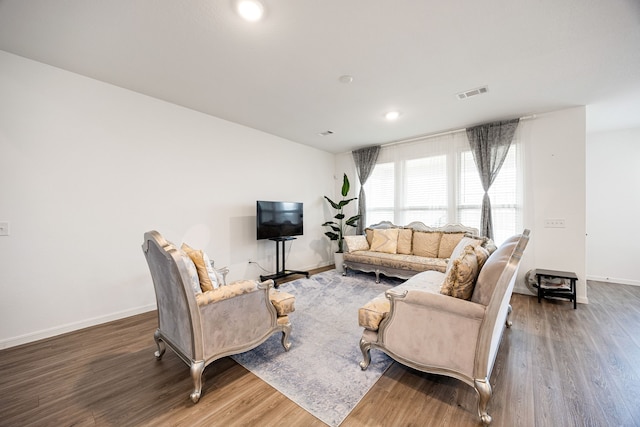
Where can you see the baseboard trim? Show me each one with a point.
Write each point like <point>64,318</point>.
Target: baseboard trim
<point>74,326</point>
<point>614,280</point>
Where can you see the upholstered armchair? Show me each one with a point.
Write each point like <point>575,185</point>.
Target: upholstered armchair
<point>420,327</point>
<point>203,326</point>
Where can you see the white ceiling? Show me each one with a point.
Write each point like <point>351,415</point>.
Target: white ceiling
<point>281,75</point>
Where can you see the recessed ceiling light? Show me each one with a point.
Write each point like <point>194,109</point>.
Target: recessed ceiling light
<point>392,115</point>
<point>250,10</point>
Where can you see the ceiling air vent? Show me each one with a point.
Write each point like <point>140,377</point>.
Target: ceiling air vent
<point>473,92</point>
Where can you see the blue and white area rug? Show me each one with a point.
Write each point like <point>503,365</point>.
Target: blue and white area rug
<point>321,371</point>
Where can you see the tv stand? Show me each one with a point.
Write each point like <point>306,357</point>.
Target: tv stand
<point>281,273</point>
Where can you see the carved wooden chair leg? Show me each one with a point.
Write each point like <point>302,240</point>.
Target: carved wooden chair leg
<point>484,394</point>
<point>365,348</point>
<point>161,346</point>
<point>508,322</point>
<point>196,374</point>
<point>286,331</point>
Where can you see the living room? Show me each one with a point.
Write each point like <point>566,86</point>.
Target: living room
<point>87,167</point>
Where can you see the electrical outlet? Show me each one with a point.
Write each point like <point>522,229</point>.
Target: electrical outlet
<point>554,223</point>
<point>4,228</point>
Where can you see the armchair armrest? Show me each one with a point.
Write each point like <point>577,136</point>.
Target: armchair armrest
<point>439,302</point>
<point>229,291</point>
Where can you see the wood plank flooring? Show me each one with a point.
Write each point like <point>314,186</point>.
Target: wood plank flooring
<point>556,367</point>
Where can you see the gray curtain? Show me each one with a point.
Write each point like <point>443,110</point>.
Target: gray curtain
<point>365,160</point>
<point>490,144</point>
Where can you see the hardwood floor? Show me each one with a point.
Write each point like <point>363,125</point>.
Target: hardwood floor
<point>556,367</point>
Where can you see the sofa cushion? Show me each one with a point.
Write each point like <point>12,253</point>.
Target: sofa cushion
<point>369,233</point>
<point>398,261</point>
<point>385,240</point>
<point>491,271</point>
<point>282,301</point>
<point>448,243</point>
<point>405,237</point>
<point>460,279</point>
<point>426,243</point>
<point>356,243</point>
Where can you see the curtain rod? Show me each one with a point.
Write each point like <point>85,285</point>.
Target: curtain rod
<point>433,135</point>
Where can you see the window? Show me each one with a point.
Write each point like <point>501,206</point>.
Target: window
<point>437,182</point>
<point>380,193</point>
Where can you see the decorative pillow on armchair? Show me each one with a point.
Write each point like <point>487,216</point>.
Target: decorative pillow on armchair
<point>206,274</point>
<point>461,278</point>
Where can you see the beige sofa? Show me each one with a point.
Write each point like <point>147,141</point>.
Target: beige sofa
<point>418,326</point>
<point>200,317</point>
<point>403,251</point>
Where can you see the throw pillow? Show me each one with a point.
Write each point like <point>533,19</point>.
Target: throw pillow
<point>426,243</point>
<point>385,240</point>
<point>356,243</point>
<point>463,243</point>
<point>460,279</point>
<point>482,254</point>
<point>202,267</point>
<point>194,280</point>
<point>448,243</point>
<point>369,233</point>
<point>405,235</point>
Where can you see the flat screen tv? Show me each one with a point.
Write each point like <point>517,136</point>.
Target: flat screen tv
<point>278,219</point>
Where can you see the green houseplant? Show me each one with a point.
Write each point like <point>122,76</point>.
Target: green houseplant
<point>340,225</point>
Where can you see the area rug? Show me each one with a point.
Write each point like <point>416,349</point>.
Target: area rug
<point>321,371</point>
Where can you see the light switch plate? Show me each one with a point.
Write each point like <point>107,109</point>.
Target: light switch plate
<point>4,228</point>
<point>554,223</point>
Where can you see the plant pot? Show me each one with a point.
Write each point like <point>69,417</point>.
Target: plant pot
<point>338,259</point>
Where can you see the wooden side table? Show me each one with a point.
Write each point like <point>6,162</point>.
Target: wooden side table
<point>545,279</point>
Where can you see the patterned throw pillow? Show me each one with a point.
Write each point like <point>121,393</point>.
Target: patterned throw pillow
<point>460,279</point>
<point>385,241</point>
<point>356,243</point>
<point>426,243</point>
<point>464,242</point>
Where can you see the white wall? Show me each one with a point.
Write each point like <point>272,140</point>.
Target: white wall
<point>613,206</point>
<point>86,168</point>
<point>554,188</point>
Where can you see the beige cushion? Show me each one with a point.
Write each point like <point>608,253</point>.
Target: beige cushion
<point>369,233</point>
<point>282,301</point>
<point>426,243</point>
<point>356,243</point>
<point>447,243</point>
<point>463,243</point>
<point>197,256</point>
<point>460,279</point>
<point>482,254</point>
<point>405,237</point>
<point>371,314</point>
<point>385,241</point>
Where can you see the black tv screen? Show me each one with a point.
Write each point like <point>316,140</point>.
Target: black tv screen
<point>278,219</point>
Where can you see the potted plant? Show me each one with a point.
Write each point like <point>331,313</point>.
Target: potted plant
<point>339,226</point>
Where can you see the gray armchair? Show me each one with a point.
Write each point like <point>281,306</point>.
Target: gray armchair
<point>201,327</point>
